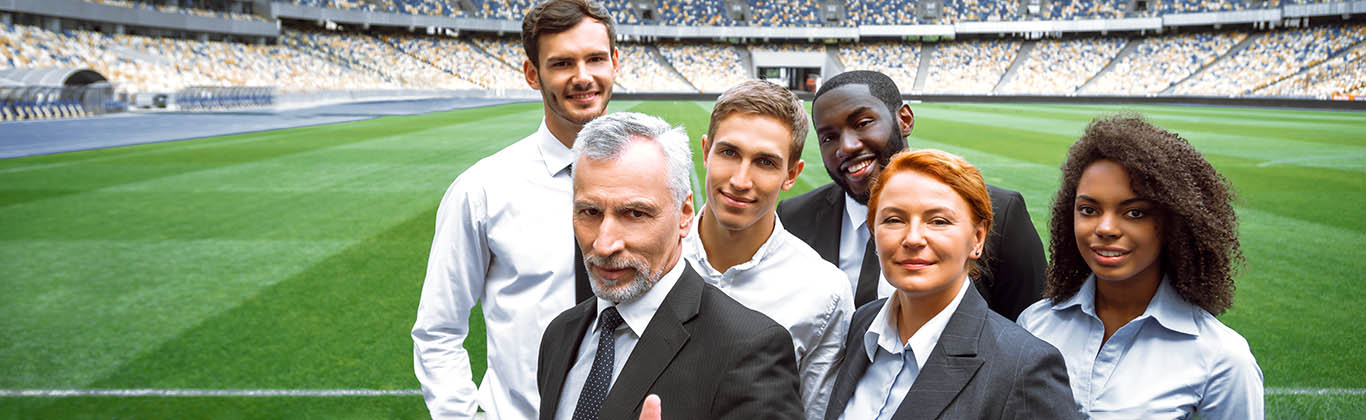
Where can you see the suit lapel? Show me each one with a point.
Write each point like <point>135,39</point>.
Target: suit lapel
<point>559,362</point>
<point>855,365</point>
<point>952,363</point>
<point>663,338</point>
<point>826,222</point>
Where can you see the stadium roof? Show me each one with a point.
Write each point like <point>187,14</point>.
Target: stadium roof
<point>53,76</point>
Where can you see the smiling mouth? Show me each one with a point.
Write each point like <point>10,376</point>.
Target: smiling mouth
<point>583,97</point>
<point>1109,256</point>
<point>734,201</point>
<point>861,168</point>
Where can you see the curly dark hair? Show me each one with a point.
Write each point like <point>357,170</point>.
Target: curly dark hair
<point>1199,230</point>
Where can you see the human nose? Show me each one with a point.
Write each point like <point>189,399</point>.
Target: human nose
<point>609,240</point>
<point>1107,226</point>
<point>914,236</point>
<point>740,179</point>
<point>850,143</point>
<point>582,75</point>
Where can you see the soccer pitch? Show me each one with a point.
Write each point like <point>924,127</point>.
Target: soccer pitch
<point>293,259</point>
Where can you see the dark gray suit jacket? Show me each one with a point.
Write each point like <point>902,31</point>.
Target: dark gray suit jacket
<point>705,355</point>
<point>1013,276</point>
<point>984,367</point>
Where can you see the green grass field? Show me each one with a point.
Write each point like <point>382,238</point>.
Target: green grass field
<point>293,259</point>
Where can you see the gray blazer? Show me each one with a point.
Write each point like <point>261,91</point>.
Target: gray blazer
<point>984,367</point>
<point>705,355</point>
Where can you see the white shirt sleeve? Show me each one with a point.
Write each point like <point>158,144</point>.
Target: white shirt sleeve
<point>820,366</point>
<point>454,283</point>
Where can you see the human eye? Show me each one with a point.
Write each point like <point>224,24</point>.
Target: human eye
<point>1135,213</point>
<point>767,163</point>
<point>940,221</point>
<point>892,220</point>
<point>863,122</point>
<point>588,212</point>
<point>1085,210</point>
<point>825,139</point>
<point>727,152</point>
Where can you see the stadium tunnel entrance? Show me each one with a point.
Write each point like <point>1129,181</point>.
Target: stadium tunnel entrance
<point>32,93</point>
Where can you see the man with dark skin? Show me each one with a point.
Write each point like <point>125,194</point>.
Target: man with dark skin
<point>860,122</point>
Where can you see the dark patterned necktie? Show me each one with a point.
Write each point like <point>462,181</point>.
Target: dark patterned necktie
<point>600,378</point>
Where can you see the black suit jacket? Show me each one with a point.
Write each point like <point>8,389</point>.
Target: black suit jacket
<point>1014,270</point>
<point>705,355</point>
<point>984,367</point>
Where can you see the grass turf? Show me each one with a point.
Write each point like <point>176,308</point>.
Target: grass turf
<point>293,258</point>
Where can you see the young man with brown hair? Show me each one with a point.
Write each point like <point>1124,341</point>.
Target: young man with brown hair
<point>752,152</point>
<point>491,244</point>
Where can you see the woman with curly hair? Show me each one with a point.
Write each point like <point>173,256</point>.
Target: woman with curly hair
<point>1144,243</point>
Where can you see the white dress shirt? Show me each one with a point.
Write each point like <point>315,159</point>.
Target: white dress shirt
<point>889,377</point>
<point>637,316</point>
<point>853,239</point>
<point>504,239</point>
<point>1172,361</point>
<point>790,283</point>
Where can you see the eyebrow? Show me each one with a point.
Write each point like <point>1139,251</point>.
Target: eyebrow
<point>762,154</point>
<point>1129,201</point>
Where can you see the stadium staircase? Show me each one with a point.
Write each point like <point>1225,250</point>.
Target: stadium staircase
<point>659,58</point>
<point>481,50</point>
<point>1241,45</point>
<point>1130,45</point>
<point>1021,56</point>
<point>1305,69</point>
<point>923,71</point>
<point>746,59</point>
<point>832,54</point>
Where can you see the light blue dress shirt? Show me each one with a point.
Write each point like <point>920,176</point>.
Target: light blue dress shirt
<point>1172,361</point>
<point>895,365</point>
<point>636,316</point>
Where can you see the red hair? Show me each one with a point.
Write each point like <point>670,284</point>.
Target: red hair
<point>949,169</point>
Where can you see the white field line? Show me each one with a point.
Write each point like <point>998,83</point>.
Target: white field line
<point>151,392</point>
<point>1315,391</point>
<point>207,392</point>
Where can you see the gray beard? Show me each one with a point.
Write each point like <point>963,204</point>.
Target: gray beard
<point>635,286</point>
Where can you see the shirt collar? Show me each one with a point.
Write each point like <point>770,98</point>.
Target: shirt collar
<point>698,252</point>
<point>1167,307</point>
<point>553,153</point>
<point>1171,310</point>
<point>857,213</point>
<point>639,312</point>
<point>883,333</point>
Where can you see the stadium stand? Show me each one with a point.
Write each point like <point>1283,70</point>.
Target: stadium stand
<point>1159,61</point>
<point>168,8</point>
<point>1344,74</point>
<point>643,70</point>
<point>898,60</point>
<point>1062,66</point>
<point>881,12</point>
<point>969,67</point>
<point>693,13</point>
<point>1270,57</point>
<point>784,13</point>
<point>462,59</point>
<point>710,67</point>
<point>373,55</point>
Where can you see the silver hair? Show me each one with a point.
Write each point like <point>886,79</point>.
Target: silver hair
<point>606,137</point>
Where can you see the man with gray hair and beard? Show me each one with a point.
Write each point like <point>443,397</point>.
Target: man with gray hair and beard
<point>655,327</point>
